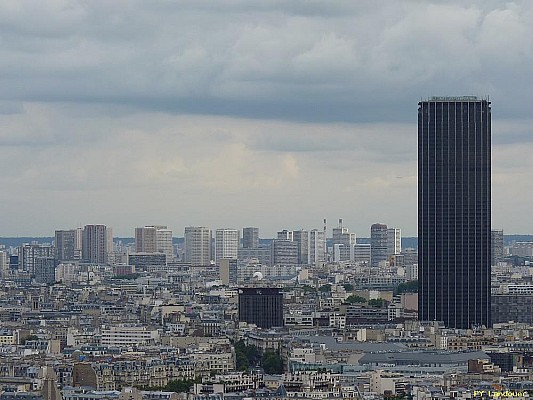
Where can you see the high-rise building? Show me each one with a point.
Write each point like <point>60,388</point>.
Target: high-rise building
<point>454,210</point>
<point>379,242</point>
<point>45,270</point>
<point>197,245</point>
<point>285,235</point>
<point>343,243</point>
<point>317,246</point>
<point>226,244</point>
<point>250,238</point>
<point>362,253</point>
<point>29,253</point>
<point>394,241</point>
<point>154,239</point>
<point>261,306</point>
<point>284,252</point>
<point>68,244</point>
<point>97,242</point>
<point>301,238</point>
<point>4,265</point>
<point>496,246</point>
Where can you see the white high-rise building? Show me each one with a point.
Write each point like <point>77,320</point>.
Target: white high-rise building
<point>226,244</point>
<point>317,246</point>
<point>4,266</point>
<point>198,245</point>
<point>154,239</point>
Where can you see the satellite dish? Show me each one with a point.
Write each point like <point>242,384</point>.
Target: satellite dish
<point>257,276</point>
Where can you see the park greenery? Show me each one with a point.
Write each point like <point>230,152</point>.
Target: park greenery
<point>248,356</point>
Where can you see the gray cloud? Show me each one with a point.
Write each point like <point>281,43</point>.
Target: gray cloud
<point>290,60</point>
<point>233,113</point>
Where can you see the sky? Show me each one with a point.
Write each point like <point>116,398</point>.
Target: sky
<point>237,113</point>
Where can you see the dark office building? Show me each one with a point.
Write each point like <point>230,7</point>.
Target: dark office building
<point>250,238</point>
<point>454,210</point>
<point>261,306</point>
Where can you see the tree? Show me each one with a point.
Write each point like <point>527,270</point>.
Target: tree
<point>28,338</point>
<point>376,303</point>
<point>348,287</point>
<point>355,299</point>
<point>245,356</point>
<point>325,288</point>
<point>308,289</point>
<point>272,362</point>
<point>407,287</point>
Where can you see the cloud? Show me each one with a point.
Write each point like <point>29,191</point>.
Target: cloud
<point>289,60</point>
<point>240,112</point>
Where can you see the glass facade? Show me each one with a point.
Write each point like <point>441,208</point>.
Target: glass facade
<point>454,211</point>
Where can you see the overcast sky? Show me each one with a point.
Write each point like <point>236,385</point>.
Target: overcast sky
<point>274,114</point>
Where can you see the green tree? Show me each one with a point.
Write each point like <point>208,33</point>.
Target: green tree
<point>376,303</point>
<point>325,288</point>
<point>272,362</point>
<point>348,287</point>
<point>27,338</point>
<point>355,299</point>
<point>407,287</point>
<point>308,289</point>
<point>245,356</point>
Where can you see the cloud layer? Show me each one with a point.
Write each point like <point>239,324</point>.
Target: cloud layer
<point>234,113</point>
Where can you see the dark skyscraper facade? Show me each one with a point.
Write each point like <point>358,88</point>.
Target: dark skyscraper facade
<point>454,210</point>
<point>261,306</point>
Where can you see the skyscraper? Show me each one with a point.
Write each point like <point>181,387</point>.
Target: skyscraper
<point>97,242</point>
<point>301,238</point>
<point>317,246</point>
<point>454,203</point>
<point>197,245</point>
<point>68,244</point>
<point>343,243</point>
<point>378,244</point>
<point>226,244</point>
<point>154,239</point>
<point>250,238</point>
<point>394,241</point>
<point>496,246</point>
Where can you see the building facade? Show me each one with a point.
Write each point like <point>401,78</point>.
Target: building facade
<point>97,242</point>
<point>301,238</point>
<point>343,241</point>
<point>68,244</point>
<point>226,244</point>
<point>317,246</point>
<point>261,306</point>
<point>250,238</point>
<point>454,210</point>
<point>379,244</point>
<point>154,239</point>
<point>496,246</point>
<point>197,245</point>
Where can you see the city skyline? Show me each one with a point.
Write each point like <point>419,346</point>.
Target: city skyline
<point>248,113</point>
